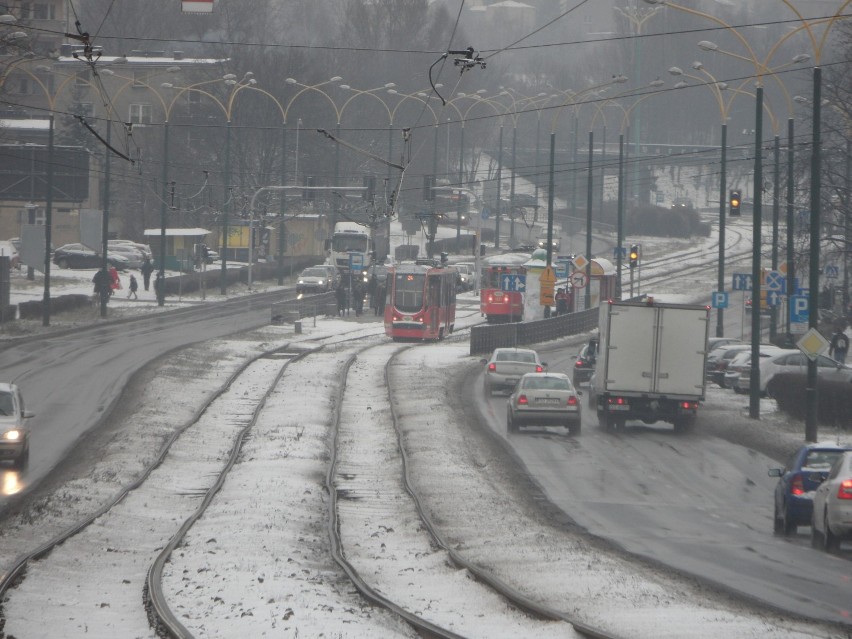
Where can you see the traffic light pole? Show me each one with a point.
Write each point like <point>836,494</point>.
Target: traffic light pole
<point>723,187</point>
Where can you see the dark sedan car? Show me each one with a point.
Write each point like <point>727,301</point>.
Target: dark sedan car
<point>584,364</point>
<point>80,256</point>
<point>797,482</point>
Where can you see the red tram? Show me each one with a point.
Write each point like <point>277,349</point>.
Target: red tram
<point>496,304</point>
<point>421,301</point>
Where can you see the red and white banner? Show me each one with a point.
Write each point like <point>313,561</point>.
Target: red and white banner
<point>197,6</point>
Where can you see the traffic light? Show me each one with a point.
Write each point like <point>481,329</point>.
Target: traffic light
<point>428,188</point>
<point>370,184</point>
<point>308,194</point>
<point>634,256</point>
<point>735,203</point>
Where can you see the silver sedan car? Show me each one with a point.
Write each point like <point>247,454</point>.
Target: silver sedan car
<point>544,399</point>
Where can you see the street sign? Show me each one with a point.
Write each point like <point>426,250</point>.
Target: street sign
<point>580,262</point>
<point>742,282</point>
<point>799,309</point>
<point>812,344</point>
<point>510,282</point>
<point>623,252</point>
<point>548,276</point>
<point>773,298</point>
<point>719,299</point>
<point>832,271</point>
<point>561,269</point>
<point>356,262</point>
<point>578,279</point>
<point>775,281</point>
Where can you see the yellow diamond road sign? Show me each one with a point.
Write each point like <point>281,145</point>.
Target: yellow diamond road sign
<point>812,343</point>
<point>580,262</point>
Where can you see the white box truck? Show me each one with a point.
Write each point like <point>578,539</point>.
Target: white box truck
<point>650,364</point>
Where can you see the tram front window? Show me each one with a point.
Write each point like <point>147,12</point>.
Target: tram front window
<point>408,297</point>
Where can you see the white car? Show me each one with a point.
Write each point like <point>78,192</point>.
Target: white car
<point>144,248</point>
<point>134,256</point>
<point>14,438</point>
<point>506,367</point>
<point>315,279</point>
<point>741,364</point>
<point>792,361</point>
<point>544,399</point>
<point>832,513</point>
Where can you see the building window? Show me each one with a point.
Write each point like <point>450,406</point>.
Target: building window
<point>43,12</point>
<point>140,113</point>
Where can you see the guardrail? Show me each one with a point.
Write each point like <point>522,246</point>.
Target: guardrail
<point>484,339</point>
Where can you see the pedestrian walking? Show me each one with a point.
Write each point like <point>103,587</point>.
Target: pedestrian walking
<point>102,282</point>
<point>115,280</point>
<point>340,294</point>
<point>134,286</point>
<point>839,346</point>
<point>359,292</point>
<point>379,301</point>
<point>147,268</point>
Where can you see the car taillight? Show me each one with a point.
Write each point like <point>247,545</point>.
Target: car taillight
<point>522,399</point>
<point>797,487</point>
<point>845,489</point>
<point>539,369</point>
<point>689,405</point>
<point>579,363</point>
<point>572,401</point>
<point>492,367</point>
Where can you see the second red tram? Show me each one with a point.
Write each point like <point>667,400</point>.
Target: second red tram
<point>495,302</point>
<point>421,301</point>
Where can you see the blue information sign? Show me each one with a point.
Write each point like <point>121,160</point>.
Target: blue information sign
<point>509,282</point>
<point>719,299</point>
<point>799,309</point>
<point>741,282</point>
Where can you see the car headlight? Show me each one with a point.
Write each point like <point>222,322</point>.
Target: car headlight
<point>301,281</point>
<point>13,435</point>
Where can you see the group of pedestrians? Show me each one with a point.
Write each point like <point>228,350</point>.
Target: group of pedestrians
<point>375,289</point>
<point>107,282</point>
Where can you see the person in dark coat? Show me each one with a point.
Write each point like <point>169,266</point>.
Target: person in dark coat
<point>379,297</point>
<point>147,268</point>
<point>132,288</point>
<point>102,282</point>
<point>340,294</point>
<point>359,291</point>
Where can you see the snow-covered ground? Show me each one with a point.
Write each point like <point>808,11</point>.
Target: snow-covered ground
<point>258,564</point>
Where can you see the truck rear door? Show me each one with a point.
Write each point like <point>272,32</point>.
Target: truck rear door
<point>630,349</point>
<point>682,351</point>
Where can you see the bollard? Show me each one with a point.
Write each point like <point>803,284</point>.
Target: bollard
<point>297,327</point>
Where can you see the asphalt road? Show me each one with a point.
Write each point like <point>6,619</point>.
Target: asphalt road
<point>693,502</point>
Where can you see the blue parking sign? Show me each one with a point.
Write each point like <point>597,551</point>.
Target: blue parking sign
<point>799,309</point>
<point>719,299</point>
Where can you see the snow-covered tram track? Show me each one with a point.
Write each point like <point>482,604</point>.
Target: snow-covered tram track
<point>387,543</point>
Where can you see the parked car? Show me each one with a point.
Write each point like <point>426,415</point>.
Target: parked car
<point>144,248</point>
<point>544,399</point>
<point>15,439</point>
<point>720,358</point>
<point>741,363</point>
<point>717,342</point>
<point>792,361</point>
<point>506,367</point>
<point>831,520</point>
<point>584,362</point>
<point>797,481</point>
<point>79,256</point>
<point>7,249</point>
<point>315,279</point>
<point>135,257</point>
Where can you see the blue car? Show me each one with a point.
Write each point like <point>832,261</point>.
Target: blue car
<point>797,482</point>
